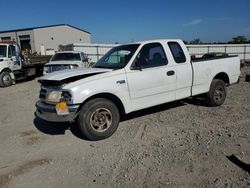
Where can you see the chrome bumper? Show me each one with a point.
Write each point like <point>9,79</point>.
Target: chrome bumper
<point>48,112</point>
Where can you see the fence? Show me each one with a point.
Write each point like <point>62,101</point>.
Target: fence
<point>96,51</point>
<point>242,50</point>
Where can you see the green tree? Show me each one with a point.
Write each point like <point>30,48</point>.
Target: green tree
<point>185,41</point>
<point>239,40</point>
<point>195,41</point>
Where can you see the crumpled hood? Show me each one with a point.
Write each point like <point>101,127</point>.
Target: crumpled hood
<point>66,76</point>
<point>72,73</point>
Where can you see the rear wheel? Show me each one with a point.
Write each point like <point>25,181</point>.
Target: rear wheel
<point>217,93</point>
<point>98,119</point>
<point>5,79</point>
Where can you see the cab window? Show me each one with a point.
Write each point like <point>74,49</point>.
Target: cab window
<point>177,52</point>
<point>11,51</point>
<point>151,55</point>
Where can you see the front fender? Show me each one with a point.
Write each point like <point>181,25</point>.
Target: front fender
<point>109,85</point>
<point>80,96</point>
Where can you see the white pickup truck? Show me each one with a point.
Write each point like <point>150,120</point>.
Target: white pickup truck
<point>129,78</point>
<point>66,60</point>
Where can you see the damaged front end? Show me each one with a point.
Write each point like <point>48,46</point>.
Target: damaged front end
<point>56,103</point>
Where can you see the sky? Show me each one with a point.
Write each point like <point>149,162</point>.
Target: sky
<point>111,21</point>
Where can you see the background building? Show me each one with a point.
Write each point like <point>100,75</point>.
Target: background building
<point>45,38</point>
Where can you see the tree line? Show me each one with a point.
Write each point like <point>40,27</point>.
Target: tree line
<point>235,40</point>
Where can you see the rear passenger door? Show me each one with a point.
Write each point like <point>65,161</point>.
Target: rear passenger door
<point>183,69</point>
<point>151,80</point>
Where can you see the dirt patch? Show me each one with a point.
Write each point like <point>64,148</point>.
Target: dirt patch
<point>33,140</point>
<point>31,137</point>
<point>28,133</point>
<point>6,178</point>
<point>179,144</point>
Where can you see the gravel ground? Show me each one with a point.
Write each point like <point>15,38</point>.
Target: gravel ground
<point>180,144</point>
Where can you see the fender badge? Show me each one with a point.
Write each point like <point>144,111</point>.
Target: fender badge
<point>120,82</point>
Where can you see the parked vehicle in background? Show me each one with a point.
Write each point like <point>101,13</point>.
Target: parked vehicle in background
<point>13,67</point>
<point>129,78</point>
<point>66,60</point>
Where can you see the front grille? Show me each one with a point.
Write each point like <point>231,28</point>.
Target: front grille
<point>53,68</point>
<point>43,94</point>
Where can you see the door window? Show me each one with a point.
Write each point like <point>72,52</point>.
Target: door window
<point>151,55</point>
<point>11,51</point>
<point>177,52</point>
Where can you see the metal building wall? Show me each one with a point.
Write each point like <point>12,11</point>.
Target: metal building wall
<point>51,37</point>
<point>15,37</point>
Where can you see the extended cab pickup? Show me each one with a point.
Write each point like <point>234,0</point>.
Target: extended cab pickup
<point>129,78</point>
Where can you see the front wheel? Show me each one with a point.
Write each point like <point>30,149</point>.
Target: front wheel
<point>217,93</point>
<point>5,79</point>
<point>98,119</point>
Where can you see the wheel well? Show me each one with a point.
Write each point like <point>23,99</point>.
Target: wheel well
<point>110,97</point>
<point>223,76</point>
<point>6,70</point>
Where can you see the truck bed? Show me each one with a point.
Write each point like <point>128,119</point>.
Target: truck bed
<point>206,69</point>
<point>34,61</point>
<point>210,58</point>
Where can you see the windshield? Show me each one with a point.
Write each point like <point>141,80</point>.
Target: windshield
<point>66,57</point>
<point>3,50</point>
<point>118,57</point>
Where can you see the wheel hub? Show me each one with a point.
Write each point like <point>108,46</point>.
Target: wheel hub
<point>6,79</point>
<point>101,119</point>
<point>219,93</point>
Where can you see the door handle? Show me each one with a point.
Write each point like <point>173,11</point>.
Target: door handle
<point>170,73</point>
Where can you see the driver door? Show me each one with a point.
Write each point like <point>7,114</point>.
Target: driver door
<point>151,80</point>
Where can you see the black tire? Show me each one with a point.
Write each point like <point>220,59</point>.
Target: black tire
<point>98,119</point>
<point>5,79</point>
<point>217,93</point>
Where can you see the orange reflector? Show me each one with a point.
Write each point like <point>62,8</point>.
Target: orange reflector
<point>62,108</point>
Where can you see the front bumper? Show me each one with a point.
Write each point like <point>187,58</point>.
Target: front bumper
<point>48,112</point>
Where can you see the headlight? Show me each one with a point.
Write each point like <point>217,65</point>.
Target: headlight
<point>54,96</point>
<point>59,96</point>
<point>45,70</point>
<point>73,66</point>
